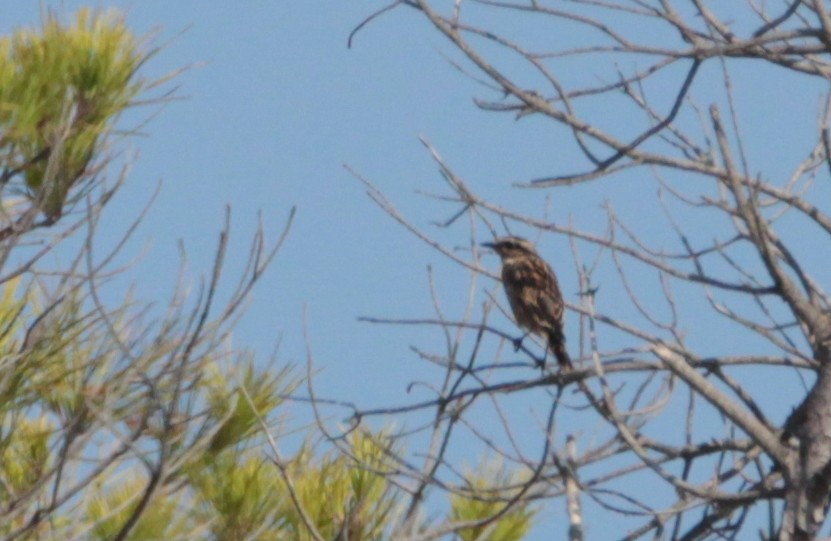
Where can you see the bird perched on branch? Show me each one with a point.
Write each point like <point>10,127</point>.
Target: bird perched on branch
<point>532,291</point>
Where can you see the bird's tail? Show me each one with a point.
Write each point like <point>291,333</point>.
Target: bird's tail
<point>557,345</point>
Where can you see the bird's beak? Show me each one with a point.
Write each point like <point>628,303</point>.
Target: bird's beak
<point>488,245</point>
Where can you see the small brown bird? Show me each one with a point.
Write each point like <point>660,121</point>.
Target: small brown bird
<point>533,293</point>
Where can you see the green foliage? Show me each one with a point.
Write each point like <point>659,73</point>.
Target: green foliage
<point>64,389</point>
<point>344,495</point>
<point>238,410</point>
<point>241,495</point>
<point>238,497</point>
<point>10,326</point>
<point>60,89</point>
<point>25,455</point>
<point>490,489</point>
<point>109,509</point>
<point>55,363</point>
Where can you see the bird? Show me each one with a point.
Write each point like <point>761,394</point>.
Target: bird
<point>533,293</point>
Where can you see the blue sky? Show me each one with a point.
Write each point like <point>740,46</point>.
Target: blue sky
<point>273,106</point>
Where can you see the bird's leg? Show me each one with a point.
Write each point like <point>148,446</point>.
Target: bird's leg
<point>518,341</point>
<point>541,362</point>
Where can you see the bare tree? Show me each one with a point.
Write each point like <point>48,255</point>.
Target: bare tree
<point>676,420</point>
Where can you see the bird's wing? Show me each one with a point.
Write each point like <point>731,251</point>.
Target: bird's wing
<point>552,304</point>
<point>535,287</point>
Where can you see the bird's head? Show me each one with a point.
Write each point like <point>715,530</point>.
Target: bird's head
<point>509,247</point>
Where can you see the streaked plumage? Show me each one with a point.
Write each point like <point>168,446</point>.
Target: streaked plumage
<point>533,292</point>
